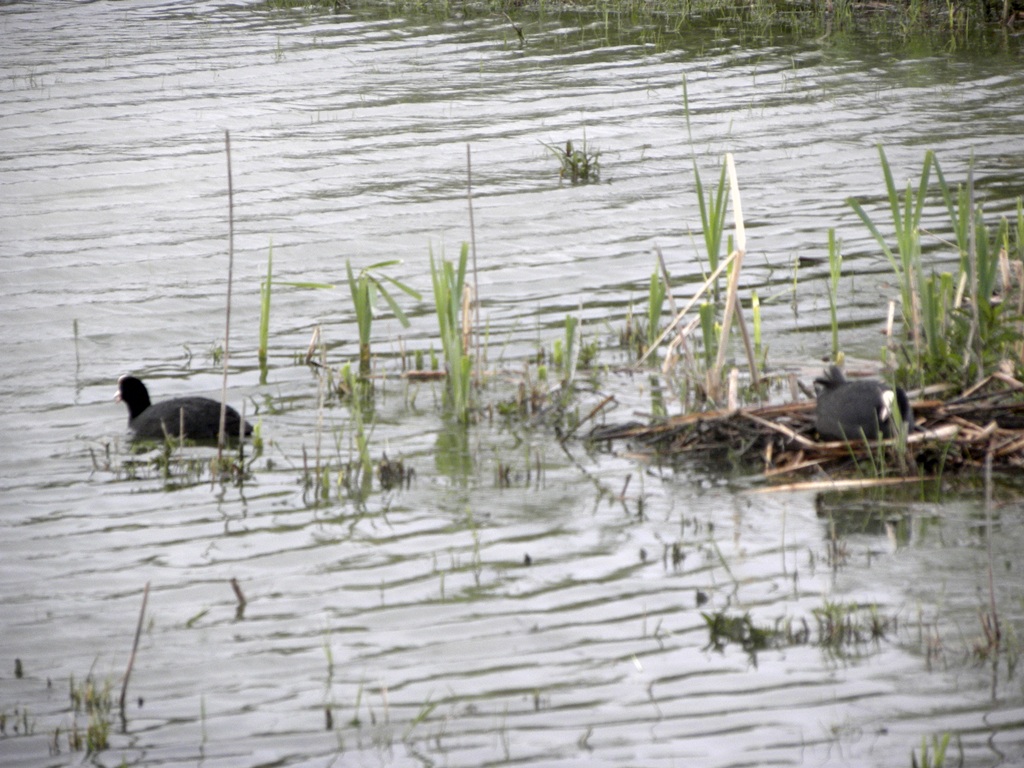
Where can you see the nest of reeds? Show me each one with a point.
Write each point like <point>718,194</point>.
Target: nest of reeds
<point>955,434</point>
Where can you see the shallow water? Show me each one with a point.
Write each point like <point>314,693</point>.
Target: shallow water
<point>462,620</point>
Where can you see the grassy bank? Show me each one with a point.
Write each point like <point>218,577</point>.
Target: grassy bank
<point>958,19</point>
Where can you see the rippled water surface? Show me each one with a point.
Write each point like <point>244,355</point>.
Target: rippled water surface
<point>518,601</point>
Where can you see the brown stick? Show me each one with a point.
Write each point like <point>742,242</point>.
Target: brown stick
<point>238,593</point>
<point>135,647</point>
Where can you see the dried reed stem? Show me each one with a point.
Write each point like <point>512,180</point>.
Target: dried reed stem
<point>472,247</point>
<point>221,437</point>
<point>683,312</point>
<point>731,302</point>
<point>135,648</point>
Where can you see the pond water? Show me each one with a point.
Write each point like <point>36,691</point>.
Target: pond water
<point>519,601</point>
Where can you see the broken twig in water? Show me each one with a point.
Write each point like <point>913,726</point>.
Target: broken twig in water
<point>135,647</point>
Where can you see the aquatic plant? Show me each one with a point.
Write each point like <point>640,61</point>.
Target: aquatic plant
<point>365,288</point>
<point>20,722</point>
<point>906,221</point>
<point>845,624</point>
<point>566,351</point>
<point>452,301</point>
<point>579,166</point>
<point>94,699</point>
<point>329,703</point>
<point>712,218</point>
<point>655,305</point>
<point>760,351</point>
<point>835,269</point>
<point>961,326</point>
<point>265,290</point>
<point>359,403</point>
<point>709,374</point>
<point>936,758</point>
<point>713,208</point>
<point>724,629</point>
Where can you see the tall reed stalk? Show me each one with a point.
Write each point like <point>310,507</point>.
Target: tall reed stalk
<point>222,430</point>
<point>835,270</point>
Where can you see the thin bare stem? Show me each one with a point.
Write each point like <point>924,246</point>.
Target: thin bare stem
<point>476,286</point>
<point>221,432</point>
<point>994,634</point>
<point>135,648</point>
<point>975,280</point>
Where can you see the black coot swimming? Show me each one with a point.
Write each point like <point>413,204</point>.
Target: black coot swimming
<point>852,410</point>
<point>197,417</point>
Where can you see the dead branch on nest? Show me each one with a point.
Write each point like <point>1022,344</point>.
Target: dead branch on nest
<point>954,434</point>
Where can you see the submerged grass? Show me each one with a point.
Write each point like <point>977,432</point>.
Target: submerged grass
<point>840,629</point>
<point>94,700</point>
<point>933,757</point>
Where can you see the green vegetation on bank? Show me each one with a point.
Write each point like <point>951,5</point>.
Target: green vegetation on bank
<point>958,20</point>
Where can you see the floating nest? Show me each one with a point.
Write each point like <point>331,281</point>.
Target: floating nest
<point>955,434</point>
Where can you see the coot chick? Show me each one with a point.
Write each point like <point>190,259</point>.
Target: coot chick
<point>154,422</point>
<point>852,410</point>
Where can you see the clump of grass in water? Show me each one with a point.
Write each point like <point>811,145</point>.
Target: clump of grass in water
<point>579,166</point>
<point>20,722</point>
<point>365,287</point>
<point>635,335</point>
<point>958,329</point>
<point>451,302</point>
<point>936,758</point>
<point>841,625</point>
<point>724,629</point>
<point>96,702</point>
<point>715,331</point>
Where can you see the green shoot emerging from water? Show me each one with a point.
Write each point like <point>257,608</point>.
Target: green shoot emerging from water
<point>365,287</point>
<point>452,304</point>
<point>835,270</point>
<point>580,166</point>
<point>265,288</point>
